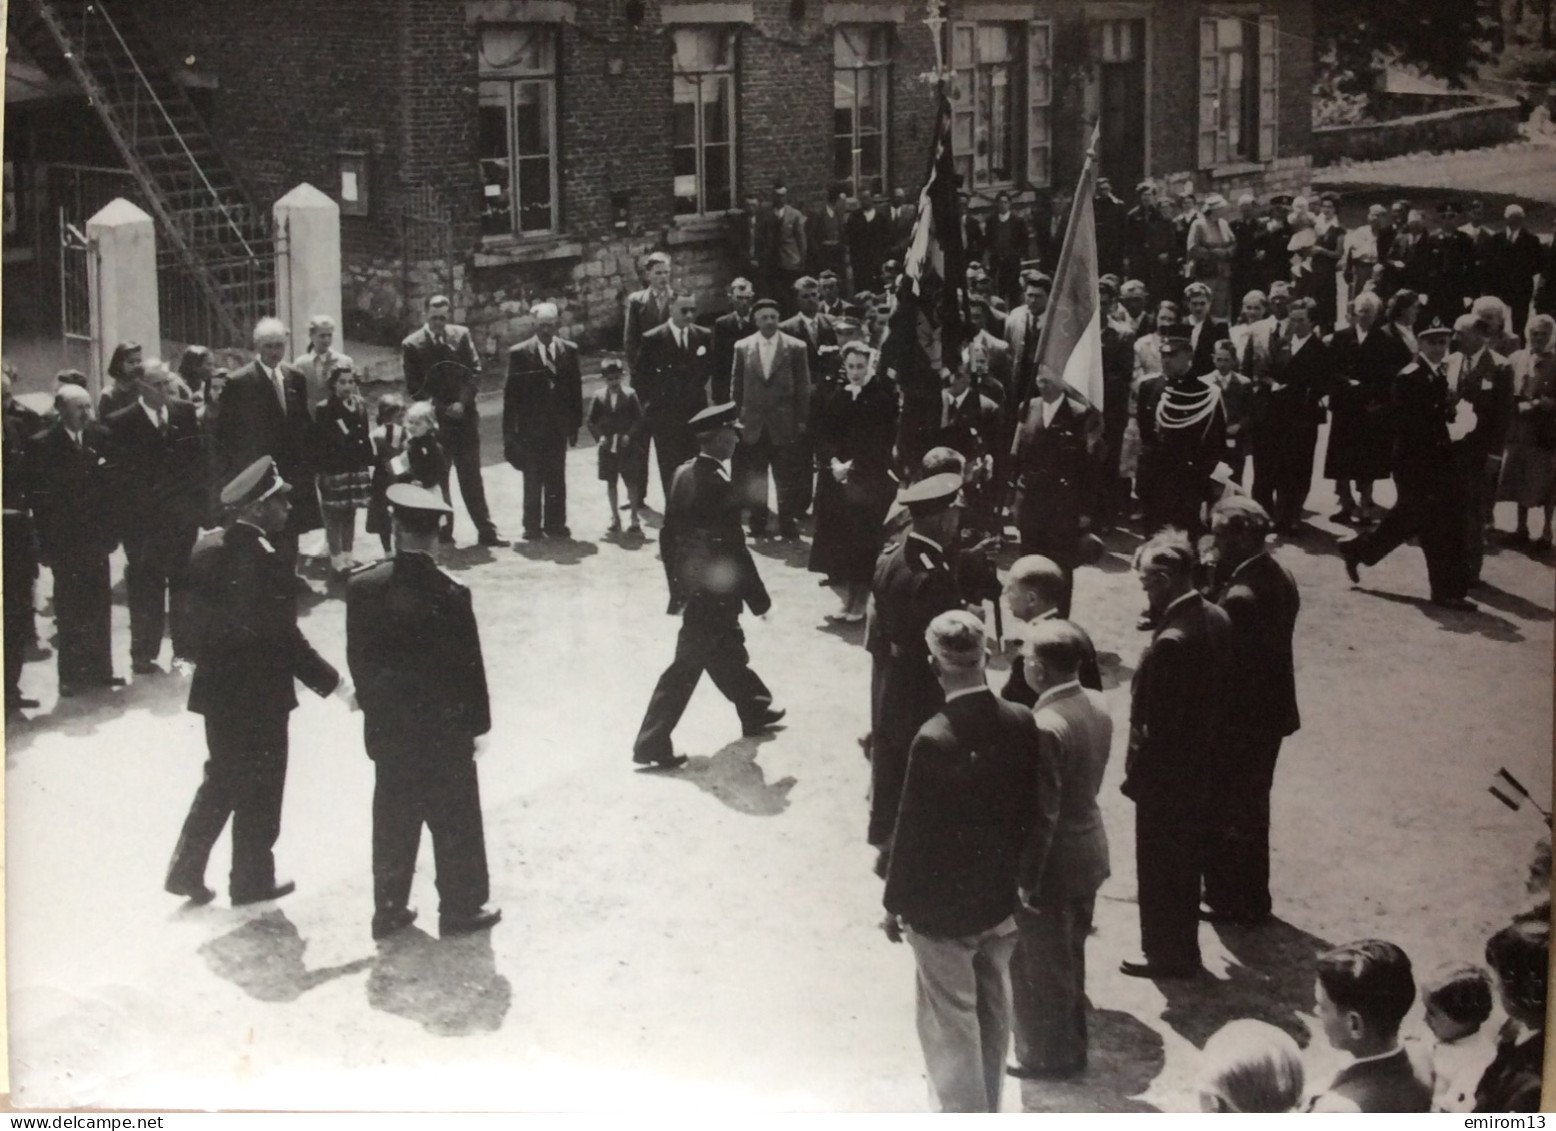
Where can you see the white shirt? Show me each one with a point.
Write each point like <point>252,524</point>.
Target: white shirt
<point>548,354</point>
<point>968,691</point>
<point>1194,333</point>
<point>1054,692</point>
<point>158,415</point>
<point>75,437</point>
<point>1298,343</point>
<point>274,376</point>
<point>767,350</point>
<point>679,334</point>
<point>1051,410</point>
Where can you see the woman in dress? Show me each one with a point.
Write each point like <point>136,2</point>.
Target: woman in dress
<point>1529,467</point>
<point>1403,310</point>
<point>343,457</point>
<point>856,430</point>
<point>1211,246</point>
<point>1324,259</point>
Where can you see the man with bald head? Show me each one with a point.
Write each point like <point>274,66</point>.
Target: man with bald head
<point>542,410</point>
<point>1034,590</point>
<point>72,511</point>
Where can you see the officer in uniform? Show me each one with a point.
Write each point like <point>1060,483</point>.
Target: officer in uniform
<point>915,582</point>
<point>415,657</point>
<point>248,651</point>
<point>711,575</point>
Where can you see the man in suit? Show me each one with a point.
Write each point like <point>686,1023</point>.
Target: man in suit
<point>1205,330</point>
<point>824,233</point>
<point>675,366</point>
<point>250,652</point>
<point>1451,261</point>
<point>1409,263</point>
<point>987,355</point>
<point>972,424</point>
<point>1431,505</point>
<point>1286,416</point>
<point>441,366</point>
<point>1066,860</point>
<point>1484,379</point>
<point>825,365</point>
<point>1260,598</point>
<point>711,576</point>
<point>727,330</point>
<point>785,246</point>
<point>1363,361</point>
<point>1109,212</point>
<point>1056,473</point>
<point>647,308</point>
<point>1006,242</point>
<point>1176,711</point>
<point>1033,590</point>
<point>1023,330</point>
<point>1513,257</point>
<point>914,583</point>
<point>20,556</point>
<point>833,304</point>
<point>868,234</point>
<point>980,793</point>
<point>542,410</point>
<point>771,388</point>
<point>158,472</point>
<point>263,411</point>
<point>415,656</point>
<point>73,510</point>
<point>972,228</point>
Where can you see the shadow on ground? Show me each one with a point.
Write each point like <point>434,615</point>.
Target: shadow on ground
<point>264,958</point>
<point>557,551</point>
<point>734,776</point>
<point>1477,623</point>
<point>1124,1055</point>
<point>450,987</point>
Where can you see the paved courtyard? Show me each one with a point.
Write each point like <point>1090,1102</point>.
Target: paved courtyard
<point>709,939</point>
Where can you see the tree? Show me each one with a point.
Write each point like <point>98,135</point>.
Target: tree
<point>1444,38</point>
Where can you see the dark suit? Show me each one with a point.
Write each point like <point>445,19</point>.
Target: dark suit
<point>869,247</point>
<point>824,241</point>
<point>1205,337</point>
<point>250,651</point>
<point>1285,427</point>
<point>1512,263</point>
<point>1409,263</point>
<point>672,382</point>
<point>251,423</point>
<point>1176,712</point>
<point>446,371</point>
<point>711,576</point>
<point>1261,600</point>
<point>159,485</point>
<point>1451,261</point>
<point>913,585</point>
<point>824,364</point>
<point>1065,863</point>
<point>1057,470</point>
<point>645,310</point>
<point>727,330</point>
<point>1006,243</point>
<point>1513,1079</point>
<point>20,556</point>
<point>542,410</point>
<point>1488,387</point>
<point>72,499</point>
<point>415,658</point>
<point>1395,1083</point>
<point>1017,690</point>
<point>1359,436</point>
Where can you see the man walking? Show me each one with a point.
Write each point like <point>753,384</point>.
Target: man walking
<point>415,656</point>
<point>542,410</point>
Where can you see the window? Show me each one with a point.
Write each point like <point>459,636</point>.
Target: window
<point>861,77</point>
<point>704,141</point>
<point>1239,90</point>
<point>1001,102</point>
<point>517,134</point>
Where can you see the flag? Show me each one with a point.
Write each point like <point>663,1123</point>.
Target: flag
<point>1072,333</point>
<point>925,332</point>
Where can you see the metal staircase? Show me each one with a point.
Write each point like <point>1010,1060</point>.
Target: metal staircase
<point>211,235</point>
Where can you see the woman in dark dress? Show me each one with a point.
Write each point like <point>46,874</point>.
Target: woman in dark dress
<point>343,458</point>
<point>855,432</point>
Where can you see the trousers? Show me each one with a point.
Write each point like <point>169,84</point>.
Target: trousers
<point>1048,984</point>
<point>545,489</point>
<point>1283,475</point>
<point>446,797</point>
<point>1237,842</point>
<point>710,641</point>
<point>1437,519</point>
<point>157,585</point>
<point>245,777</point>
<point>789,467</point>
<point>1167,862</point>
<point>83,612</point>
<point>674,444</point>
<point>462,445</point>
<point>963,1009</point>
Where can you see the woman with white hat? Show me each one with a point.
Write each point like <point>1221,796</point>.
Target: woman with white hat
<point>1211,246</point>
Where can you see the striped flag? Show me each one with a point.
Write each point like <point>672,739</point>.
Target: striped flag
<point>925,332</point>
<point>1072,333</point>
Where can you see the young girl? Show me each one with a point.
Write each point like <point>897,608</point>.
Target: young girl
<point>388,443</point>
<point>423,462</point>
<point>615,417</point>
<point>343,456</point>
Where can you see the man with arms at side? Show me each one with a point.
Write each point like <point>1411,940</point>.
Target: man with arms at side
<point>675,367</point>
<point>647,308</point>
<point>1023,330</point>
<point>1033,590</point>
<point>772,388</point>
<point>728,329</point>
<point>978,784</point>
<point>542,410</point>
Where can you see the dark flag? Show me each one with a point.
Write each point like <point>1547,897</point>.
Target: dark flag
<point>925,333</point>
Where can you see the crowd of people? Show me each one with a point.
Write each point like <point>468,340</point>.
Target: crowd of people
<point>1439,370</point>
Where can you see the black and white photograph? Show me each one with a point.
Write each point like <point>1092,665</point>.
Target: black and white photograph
<point>1101,454</point>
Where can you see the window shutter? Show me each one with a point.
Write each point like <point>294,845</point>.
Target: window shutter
<point>1269,85</point>
<point>1039,103</point>
<point>1209,93</point>
<point>964,39</point>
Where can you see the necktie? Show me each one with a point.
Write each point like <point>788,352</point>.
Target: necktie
<point>280,386</point>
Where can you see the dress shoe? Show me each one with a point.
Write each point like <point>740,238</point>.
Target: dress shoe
<point>478,920</point>
<point>1139,968</point>
<point>1352,561</point>
<point>146,667</point>
<point>390,920</point>
<point>25,703</point>
<point>193,890</point>
<point>492,538</point>
<point>1243,919</point>
<point>562,532</point>
<point>1462,604</point>
<point>533,536</point>
<point>635,529</point>
<point>669,761</point>
<point>768,718</point>
<point>119,680</point>
<point>276,892</point>
<point>1045,1072</point>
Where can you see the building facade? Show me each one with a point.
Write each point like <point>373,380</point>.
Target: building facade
<point>509,150</point>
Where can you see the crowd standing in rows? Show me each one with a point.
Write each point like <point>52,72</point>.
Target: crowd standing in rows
<point>1439,371</point>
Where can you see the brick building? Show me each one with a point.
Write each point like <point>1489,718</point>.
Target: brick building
<point>508,150</point>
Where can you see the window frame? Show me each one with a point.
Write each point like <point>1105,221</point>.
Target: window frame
<point>879,72</point>
<point>1257,113</point>
<point>726,73</point>
<point>509,79</point>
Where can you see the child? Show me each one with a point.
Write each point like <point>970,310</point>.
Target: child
<point>388,442</point>
<point>1250,1066</point>
<point>1364,990</point>
<point>423,462</point>
<point>1457,1002</point>
<point>1236,395</point>
<point>615,418</point>
<point>343,457</point>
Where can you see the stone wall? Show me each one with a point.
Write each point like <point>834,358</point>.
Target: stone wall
<point>1491,121</point>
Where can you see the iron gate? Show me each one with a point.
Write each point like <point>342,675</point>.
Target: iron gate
<point>77,276</point>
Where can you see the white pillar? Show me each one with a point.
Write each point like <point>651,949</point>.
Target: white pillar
<point>122,285</point>
<point>307,225</point>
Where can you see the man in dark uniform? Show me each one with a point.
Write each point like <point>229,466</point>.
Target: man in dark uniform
<point>73,508</point>
<point>1451,262</point>
<point>250,651</point>
<point>21,559</point>
<point>711,575</point>
<point>1260,598</point>
<point>1177,704</point>
<point>441,366</point>
<point>1431,504</point>
<point>914,583</point>
<point>415,657</point>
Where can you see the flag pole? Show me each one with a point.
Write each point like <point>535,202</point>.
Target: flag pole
<point>1067,249</point>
